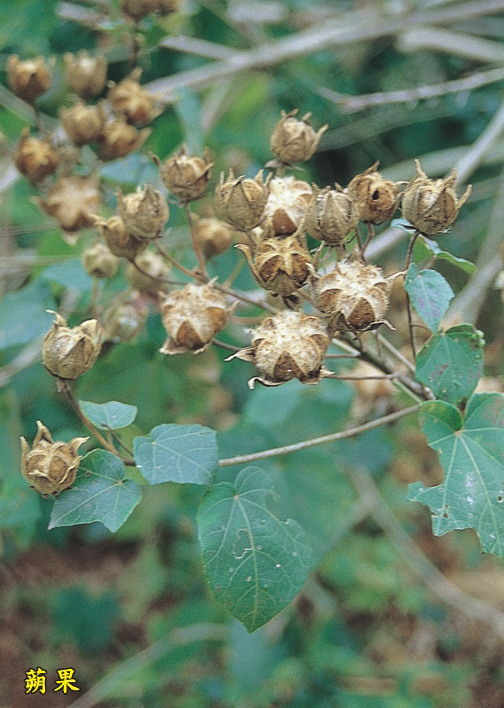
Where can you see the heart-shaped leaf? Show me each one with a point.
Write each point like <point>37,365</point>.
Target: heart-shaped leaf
<point>451,363</point>
<point>471,451</point>
<point>177,453</point>
<point>109,416</point>
<point>101,492</point>
<point>255,563</point>
<point>430,295</point>
<point>426,248</point>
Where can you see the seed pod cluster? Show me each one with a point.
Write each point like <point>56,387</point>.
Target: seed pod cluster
<point>287,204</point>
<point>72,200</point>
<point>184,176</point>
<point>68,352</point>
<point>85,75</point>
<point>143,212</point>
<point>294,139</point>
<point>129,100</point>
<point>278,265</point>
<point>28,79</point>
<point>376,198</point>
<point>214,236</point>
<point>99,261</point>
<point>35,158</point>
<point>50,467</point>
<point>241,201</point>
<point>332,215</point>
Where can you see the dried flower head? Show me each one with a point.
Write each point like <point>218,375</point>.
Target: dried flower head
<point>50,466</point>
<point>376,198</point>
<point>279,265</point>
<point>287,204</point>
<point>124,320</point>
<point>241,201</point>
<point>84,74</point>
<point>289,345</point>
<point>35,158</point>
<point>143,212</point>
<point>192,316</point>
<point>117,238</point>
<point>214,236</point>
<point>431,205</point>
<point>130,100</point>
<point>72,200</point>
<point>118,139</point>
<point>83,124</point>
<point>186,177</point>
<point>28,79</point>
<point>68,352</point>
<point>99,262</point>
<point>294,139</point>
<point>332,215</point>
<point>136,9</point>
<point>354,296</point>
<point>155,271</point>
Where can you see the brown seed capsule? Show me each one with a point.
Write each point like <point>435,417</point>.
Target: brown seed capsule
<point>130,100</point>
<point>294,140</point>
<point>431,205</point>
<point>143,212</point>
<point>186,177</point>
<point>193,316</point>
<point>332,215</point>
<point>99,262</point>
<point>119,139</point>
<point>72,200</point>
<point>136,9</point>
<point>119,241</point>
<point>287,204</point>
<point>279,265</point>
<point>376,198</point>
<point>83,124</point>
<point>35,158</point>
<point>165,7</point>
<point>50,466</point>
<point>157,270</point>
<point>241,201</point>
<point>213,236</point>
<point>28,79</point>
<point>354,296</point>
<point>84,74</point>
<point>286,346</point>
<point>68,352</point>
<point>123,321</point>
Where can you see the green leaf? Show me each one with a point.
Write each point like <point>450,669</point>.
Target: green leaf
<point>70,274</point>
<point>430,295</point>
<point>451,363</point>
<point>188,110</point>
<point>23,314</point>
<point>471,452</point>
<point>109,416</point>
<point>101,492</point>
<point>255,563</point>
<point>177,453</point>
<point>425,248</point>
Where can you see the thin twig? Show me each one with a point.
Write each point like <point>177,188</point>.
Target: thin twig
<point>312,442</point>
<point>195,243</point>
<point>458,43</point>
<point>408,303</point>
<point>225,345</point>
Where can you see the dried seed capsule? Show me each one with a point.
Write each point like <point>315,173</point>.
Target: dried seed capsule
<point>241,201</point>
<point>136,9</point>
<point>279,265</point>
<point>354,296</point>
<point>35,158</point>
<point>143,212</point>
<point>157,270</point>
<point>213,236</point>
<point>118,139</point>
<point>68,352</point>
<point>50,466</point>
<point>119,241</point>
<point>28,79</point>
<point>130,100</point>
<point>99,262</point>
<point>332,215</point>
<point>193,316</point>
<point>186,177</point>
<point>431,205</point>
<point>84,74</point>
<point>83,124</point>
<point>287,204</point>
<point>295,140</point>
<point>376,198</point>
<point>72,200</point>
<point>123,321</point>
<point>289,345</point>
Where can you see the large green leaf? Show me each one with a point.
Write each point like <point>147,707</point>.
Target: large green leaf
<point>101,492</point>
<point>426,248</point>
<point>177,453</point>
<point>109,416</point>
<point>255,563</point>
<point>451,363</point>
<point>23,314</point>
<point>471,451</point>
<point>430,295</point>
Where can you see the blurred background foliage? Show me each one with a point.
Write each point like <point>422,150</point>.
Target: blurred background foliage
<point>379,622</point>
